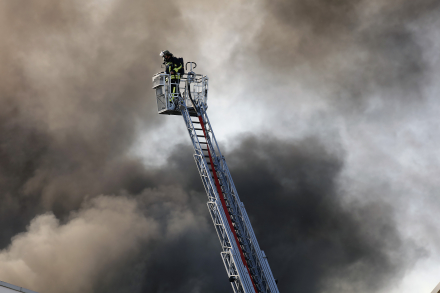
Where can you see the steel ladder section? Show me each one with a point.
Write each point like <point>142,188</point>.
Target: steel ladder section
<point>230,256</point>
<point>243,259</point>
<point>255,259</point>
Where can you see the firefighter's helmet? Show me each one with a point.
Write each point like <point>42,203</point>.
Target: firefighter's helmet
<point>165,53</point>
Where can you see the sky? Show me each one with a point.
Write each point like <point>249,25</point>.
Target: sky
<point>326,112</point>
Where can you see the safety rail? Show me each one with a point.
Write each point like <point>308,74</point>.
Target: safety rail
<point>172,93</point>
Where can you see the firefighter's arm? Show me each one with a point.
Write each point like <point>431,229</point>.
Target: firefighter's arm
<point>168,68</point>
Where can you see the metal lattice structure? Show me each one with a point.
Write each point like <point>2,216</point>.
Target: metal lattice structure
<point>246,264</point>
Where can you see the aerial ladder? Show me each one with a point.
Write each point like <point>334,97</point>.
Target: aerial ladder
<point>246,264</point>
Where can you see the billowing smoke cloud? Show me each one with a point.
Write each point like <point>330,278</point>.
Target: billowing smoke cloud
<point>316,240</point>
<point>348,51</point>
<point>161,240</point>
<point>73,98</point>
<point>80,212</point>
<point>70,257</point>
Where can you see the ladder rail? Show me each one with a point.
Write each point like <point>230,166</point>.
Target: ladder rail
<point>233,207</point>
<point>224,199</point>
<point>231,259</point>
<point>258,262</point>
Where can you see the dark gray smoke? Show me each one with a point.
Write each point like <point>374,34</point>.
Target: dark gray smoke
<point>315,240</point>
<point>351,51</point>
<point>79,212</point>
<point>161,240</point>
<point>74,95</point>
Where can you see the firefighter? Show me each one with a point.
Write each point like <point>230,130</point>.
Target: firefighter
<point>173,67</point>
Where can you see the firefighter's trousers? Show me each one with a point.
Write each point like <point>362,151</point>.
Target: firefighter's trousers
<point>175,89</point>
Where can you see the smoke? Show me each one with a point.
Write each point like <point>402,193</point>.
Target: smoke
<point>105,234</point>
<point>110,243</point>
<point>348,52</point>
<point>80,212</point>
<point>73,100</point>
<point>315,239</point>
<point>161,239</point>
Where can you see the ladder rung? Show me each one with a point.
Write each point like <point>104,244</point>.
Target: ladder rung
<point>200,135</point>
<point>198,128</point>
<point>198,122</point>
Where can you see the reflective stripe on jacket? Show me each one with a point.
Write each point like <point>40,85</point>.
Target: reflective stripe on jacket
<point>173,65</point>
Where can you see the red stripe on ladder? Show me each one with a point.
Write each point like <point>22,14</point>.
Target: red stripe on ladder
<point>220,193</point>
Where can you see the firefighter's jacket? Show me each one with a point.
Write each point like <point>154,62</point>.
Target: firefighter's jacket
<point>173,64</point>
